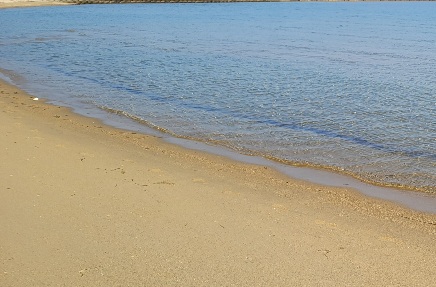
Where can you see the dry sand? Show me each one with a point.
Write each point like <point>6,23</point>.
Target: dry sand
<point>29,3</point>
<point>84,204</point>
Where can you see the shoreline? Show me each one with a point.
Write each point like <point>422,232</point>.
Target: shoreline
<point>122,120</point>
<point>414,199</point>
<point>97,205</point>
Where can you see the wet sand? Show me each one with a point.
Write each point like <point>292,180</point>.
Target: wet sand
<point>84,204</point>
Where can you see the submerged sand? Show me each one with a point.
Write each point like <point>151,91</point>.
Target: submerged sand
<point>84,204</point>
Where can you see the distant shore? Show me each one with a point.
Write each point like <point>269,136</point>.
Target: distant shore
<point>30,3</point>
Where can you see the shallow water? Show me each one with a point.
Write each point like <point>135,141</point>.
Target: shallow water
<point>345,86</point>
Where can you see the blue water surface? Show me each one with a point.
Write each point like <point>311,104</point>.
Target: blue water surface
<point>347,86</point>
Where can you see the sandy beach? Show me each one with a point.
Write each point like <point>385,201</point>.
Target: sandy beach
<point>29,3</point>
<point>84,204</point>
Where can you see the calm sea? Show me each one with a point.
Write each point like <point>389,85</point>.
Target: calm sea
<point>345,86</point>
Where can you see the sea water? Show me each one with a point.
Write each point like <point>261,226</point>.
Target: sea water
<point>349,87</point>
